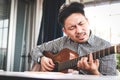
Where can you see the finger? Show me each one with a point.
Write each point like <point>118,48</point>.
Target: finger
<point>82,59</point>
<point>97,62</point>
<point>43,69</point>
<point>85,62</point>
<point>47,64</point>
<point>46,67</point>
<point>90,58</point>
<point>79,64</point>
<point>51,63</point>
<point>82,63</point>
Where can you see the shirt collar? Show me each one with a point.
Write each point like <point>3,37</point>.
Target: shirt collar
<point>91,39</point>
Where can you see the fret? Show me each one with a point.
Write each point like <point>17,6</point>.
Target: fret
<point>97,55</point>
<point>115,49</point>
<point>108,51</point>
<point>118,48</point>
<point>104,52</point>
<point>112,50</point>
<point>94,55</point>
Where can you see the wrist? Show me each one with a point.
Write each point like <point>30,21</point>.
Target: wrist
<point>39,59</point>
<point>96,72</point>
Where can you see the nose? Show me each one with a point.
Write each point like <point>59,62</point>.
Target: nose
<point>78,29</point>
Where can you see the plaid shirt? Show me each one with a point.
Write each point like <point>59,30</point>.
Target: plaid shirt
<point>107,64</point>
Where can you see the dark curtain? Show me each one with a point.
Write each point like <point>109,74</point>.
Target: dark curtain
<point>50,29</point>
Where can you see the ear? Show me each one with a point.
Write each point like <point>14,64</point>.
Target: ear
<point>63,29</point>
<point>87,20</point>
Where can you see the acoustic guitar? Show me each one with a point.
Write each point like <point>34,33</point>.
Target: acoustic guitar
<point>63,60</point>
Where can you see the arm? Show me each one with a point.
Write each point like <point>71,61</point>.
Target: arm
<point>40,62</point>
<point>36,54</point>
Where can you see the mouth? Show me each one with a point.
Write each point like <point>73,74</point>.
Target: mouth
<point>81,36</point>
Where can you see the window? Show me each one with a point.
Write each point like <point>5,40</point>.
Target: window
<point>104,22</point>
<point>3,41</point>
<point>4,20</point>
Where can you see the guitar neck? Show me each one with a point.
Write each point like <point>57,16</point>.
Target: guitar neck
<point>96,55</point>
<point>106,51</point>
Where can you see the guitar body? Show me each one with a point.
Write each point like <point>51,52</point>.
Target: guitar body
<point>64,55</point>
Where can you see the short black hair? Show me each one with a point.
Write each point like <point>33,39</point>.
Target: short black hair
<point>67,10</point>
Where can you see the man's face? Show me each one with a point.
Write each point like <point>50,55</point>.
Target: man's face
<point>76,27</point>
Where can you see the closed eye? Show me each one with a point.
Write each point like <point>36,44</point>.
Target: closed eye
<point>72,27</point>
<point>81,23</point>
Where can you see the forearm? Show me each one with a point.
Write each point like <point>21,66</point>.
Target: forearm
<point>35,54</point>
<point>36,67</point>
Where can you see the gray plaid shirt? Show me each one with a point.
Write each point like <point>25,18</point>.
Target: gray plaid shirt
<point>94,43</point>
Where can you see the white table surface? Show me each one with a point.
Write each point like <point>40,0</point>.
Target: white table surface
<point>57,76</point>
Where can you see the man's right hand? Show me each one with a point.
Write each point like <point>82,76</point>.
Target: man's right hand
<point>46,64</point>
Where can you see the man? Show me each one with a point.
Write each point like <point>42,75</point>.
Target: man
<point>80,39</point>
